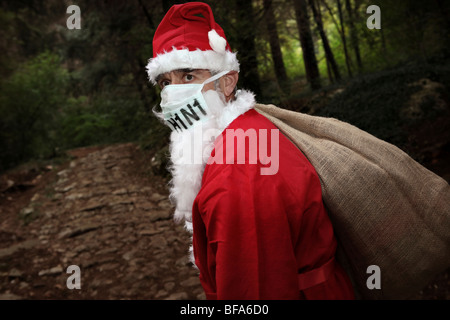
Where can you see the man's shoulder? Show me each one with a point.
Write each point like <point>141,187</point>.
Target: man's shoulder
<point>251,119</point>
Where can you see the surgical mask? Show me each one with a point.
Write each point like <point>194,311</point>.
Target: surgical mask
<point>183,105</point>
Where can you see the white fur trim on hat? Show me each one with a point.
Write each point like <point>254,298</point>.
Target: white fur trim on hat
<point>185,59</point>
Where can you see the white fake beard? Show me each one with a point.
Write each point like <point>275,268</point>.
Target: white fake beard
<point>189,152</point>
<point>186,173</point>
<point>191,149</point>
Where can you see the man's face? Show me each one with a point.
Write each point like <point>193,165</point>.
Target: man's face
<point>185,76</point>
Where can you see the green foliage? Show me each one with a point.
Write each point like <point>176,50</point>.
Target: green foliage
<point>64,88</point>
<point>103,119</point>
<point>92,88</point>
<point>292,54</point>
<point>30,101</point>
<point>375,102</point>
<point>39,117</point>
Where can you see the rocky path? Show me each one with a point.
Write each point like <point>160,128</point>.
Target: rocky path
<point>98,212</point>
<point>103,212</point>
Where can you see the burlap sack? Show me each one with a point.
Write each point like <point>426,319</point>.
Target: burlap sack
<point>387,210</point>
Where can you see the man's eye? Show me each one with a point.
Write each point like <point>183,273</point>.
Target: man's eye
<point>189,77</point>
<point>164,83</point>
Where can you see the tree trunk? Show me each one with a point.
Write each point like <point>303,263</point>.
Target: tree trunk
<point>330,75</point>
<point>326,45</point>
<point>344,39</point>
<point>307,44</point>
<point>341,30</point>
<point>246,47</point>
<point>354,35</point>
<point>277,56</point>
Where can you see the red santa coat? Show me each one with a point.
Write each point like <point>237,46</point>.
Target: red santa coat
<point>265,236</point>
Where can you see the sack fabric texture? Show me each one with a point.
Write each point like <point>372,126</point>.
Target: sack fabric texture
<point>387,210</point>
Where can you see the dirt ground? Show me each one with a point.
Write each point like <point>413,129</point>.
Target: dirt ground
<point>104,211</point>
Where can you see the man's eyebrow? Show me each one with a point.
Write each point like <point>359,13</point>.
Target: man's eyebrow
<point>185,70</point>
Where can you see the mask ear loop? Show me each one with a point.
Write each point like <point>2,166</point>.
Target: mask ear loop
<point>215,77</point>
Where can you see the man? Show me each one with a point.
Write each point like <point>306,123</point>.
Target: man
<point>260,229</point>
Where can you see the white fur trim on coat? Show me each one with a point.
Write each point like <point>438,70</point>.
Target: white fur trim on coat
<point>185,59</point>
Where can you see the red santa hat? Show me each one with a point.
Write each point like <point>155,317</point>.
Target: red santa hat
<point>189,38</point>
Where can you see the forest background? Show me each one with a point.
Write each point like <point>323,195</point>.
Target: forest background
<point>64,88</point>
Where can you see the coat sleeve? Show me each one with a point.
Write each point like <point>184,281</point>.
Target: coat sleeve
<point>249,234</point>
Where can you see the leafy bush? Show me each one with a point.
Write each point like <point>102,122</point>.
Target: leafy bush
<point>103,119</point>
<point>30,101</point>
<point>39,118</point>
<point>374,102</point>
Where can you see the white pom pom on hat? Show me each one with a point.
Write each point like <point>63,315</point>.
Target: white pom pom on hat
<point>217,43</point>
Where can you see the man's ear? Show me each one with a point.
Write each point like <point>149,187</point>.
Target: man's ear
<point>229,82</point>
